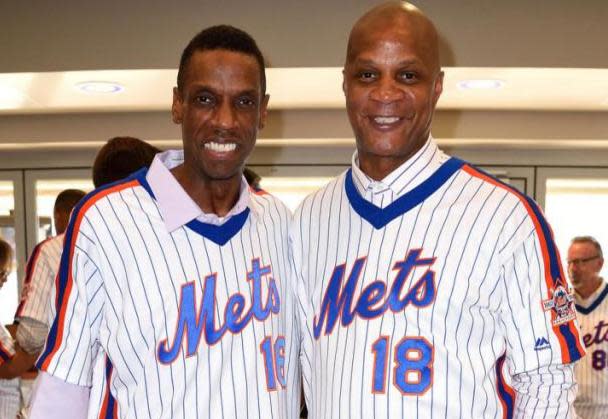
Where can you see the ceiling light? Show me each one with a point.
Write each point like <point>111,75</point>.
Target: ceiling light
<point>481,84</point>
<point>10,97</point>
<point>101,87</point>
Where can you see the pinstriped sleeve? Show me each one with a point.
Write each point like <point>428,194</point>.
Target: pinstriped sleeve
<point>538,315</point>
<point>545,393</point>
<point>303,307</point>
<point>537,308</point>
<point>7,350</point>
<point>41,271</point>
<point>72,342</point>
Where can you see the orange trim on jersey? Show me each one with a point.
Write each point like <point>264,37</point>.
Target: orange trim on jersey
<point>104,406</point>
<point>501,388</point>
<point>5,354</point>
<point>109,407</point>
<point>565,352</point>
<point>76,228</point>
<point>259,191</point>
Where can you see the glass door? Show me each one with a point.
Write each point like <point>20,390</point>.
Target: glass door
<point>575,201</point>
<point>41,189</point>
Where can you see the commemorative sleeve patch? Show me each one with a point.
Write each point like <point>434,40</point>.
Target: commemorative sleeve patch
<point>561,302</point>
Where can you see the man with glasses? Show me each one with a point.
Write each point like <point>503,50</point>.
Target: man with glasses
<point>585,261</point>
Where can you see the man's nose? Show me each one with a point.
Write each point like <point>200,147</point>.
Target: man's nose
<point>225,117</point>
<point>387,91</point>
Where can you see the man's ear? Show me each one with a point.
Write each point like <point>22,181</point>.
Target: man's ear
<point>263,111</point>
<point>438,88</point>
<point>177,107</point>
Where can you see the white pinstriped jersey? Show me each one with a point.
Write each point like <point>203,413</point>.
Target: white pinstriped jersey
<point>7,349</point>
<point>592,371</point>
<point>196,323</point>
<point>40,274</point>
<point>425,301</point>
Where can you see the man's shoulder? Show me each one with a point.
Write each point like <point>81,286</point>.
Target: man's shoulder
<point>52,245</point>
<point>107,192</point>
<point>506,191</point>
<point>321,197</point>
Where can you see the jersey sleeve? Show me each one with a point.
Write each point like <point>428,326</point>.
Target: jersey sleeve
<point>41,271</point>
<point>7,349</point>
<point>302,304</point>
<point>537,307</point>
<point>545,393</point>
<point>78,300</point>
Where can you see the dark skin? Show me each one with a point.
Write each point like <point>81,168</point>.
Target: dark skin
<point>19,364</point>
<point>221,107</point>
<point>392,81</point>
<point>61,219</point>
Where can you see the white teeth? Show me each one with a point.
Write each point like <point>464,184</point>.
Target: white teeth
<point>220,147</point>
<point>386,119</point>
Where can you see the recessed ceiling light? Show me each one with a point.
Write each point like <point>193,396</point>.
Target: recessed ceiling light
<point>481,84</point>
<point>100,87</point>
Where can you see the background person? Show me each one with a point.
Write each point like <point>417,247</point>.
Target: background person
<point>120,157</point>
<point>31,323</point>
<point>585,261</point>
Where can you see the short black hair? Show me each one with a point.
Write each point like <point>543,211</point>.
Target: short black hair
<point>224,37</point>
<point>67,199</point>
<point>120,157</point>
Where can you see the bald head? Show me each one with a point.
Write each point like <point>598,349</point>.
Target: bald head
<point>392,81</point>
<point>399,19</point>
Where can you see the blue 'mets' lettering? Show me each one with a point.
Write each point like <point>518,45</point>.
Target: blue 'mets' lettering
<point>192,324</point>
<point>373,300</point>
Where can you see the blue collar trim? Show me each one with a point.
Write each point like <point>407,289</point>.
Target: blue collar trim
<point>596,303</point>
<point>379,217</point>
<point>219,234</point>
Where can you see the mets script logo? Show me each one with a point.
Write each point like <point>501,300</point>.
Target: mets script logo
<point>193,323</point>
<point>375,299</point>
<point>561,302</point>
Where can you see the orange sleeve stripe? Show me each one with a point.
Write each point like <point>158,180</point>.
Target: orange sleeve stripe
<point>567,334</point>
<point>64,281</point>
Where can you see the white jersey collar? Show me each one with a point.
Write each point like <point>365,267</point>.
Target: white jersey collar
<point>406,177</point>
<point>175,205</point>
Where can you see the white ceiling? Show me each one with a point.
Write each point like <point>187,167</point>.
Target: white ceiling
<point>560,89</point>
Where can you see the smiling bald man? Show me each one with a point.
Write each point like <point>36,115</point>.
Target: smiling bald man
<point>427,288</point>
